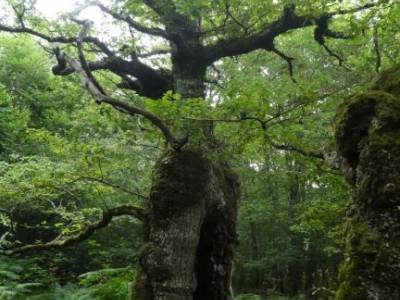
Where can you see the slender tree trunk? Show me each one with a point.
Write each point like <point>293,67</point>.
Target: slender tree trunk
<point>310,269</point>
<point>295,264</point>
<point>368,137</point>
<point>255,255</point>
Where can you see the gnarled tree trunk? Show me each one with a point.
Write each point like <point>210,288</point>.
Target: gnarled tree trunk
<point>368,137</point>
<point>191,230</point>
<point>193,206</point>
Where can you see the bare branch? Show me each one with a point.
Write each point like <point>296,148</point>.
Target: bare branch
<point>286,147</point>
<point>288,60</point>
<point>262,122</point>
<point>378,61</point>
<point>333,54</point>
<point>110,184</point>
<point>84,30</point>
<point>229,14</point>
<point>321,31</point>
<point>19,11</point>
<point>59,242</point>
<point>337,35</point>
<point>244,117</point>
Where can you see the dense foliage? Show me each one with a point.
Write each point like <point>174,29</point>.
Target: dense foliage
<point>63,158</point>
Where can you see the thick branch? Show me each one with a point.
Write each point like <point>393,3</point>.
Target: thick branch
<point>62,69</point>
<point>264,39</point>
<point>150,83</point>
<point>106,217</point>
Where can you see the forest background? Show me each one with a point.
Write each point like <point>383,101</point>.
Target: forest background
<point>64,158</point>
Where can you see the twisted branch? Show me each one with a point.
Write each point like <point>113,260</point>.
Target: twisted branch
<point>58,243</point>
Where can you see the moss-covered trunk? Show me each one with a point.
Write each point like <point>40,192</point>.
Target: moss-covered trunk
<point>368,138</point>
<point>191,230</point>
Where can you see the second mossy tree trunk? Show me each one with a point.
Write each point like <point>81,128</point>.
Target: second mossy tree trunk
<point>368,138</point>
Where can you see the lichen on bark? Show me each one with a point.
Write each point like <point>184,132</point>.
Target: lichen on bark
<point>368,139</point>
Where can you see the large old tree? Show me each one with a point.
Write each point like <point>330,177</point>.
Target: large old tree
<point>191,217</point>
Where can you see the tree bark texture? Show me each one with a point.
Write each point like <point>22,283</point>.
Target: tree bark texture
<point>191,231</point>
<point>368,138</point>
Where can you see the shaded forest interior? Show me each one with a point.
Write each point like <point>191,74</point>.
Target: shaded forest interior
<point>200,150</point>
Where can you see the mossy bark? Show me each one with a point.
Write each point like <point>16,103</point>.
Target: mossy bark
<point>191,234</point>
<point>368,138</point>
